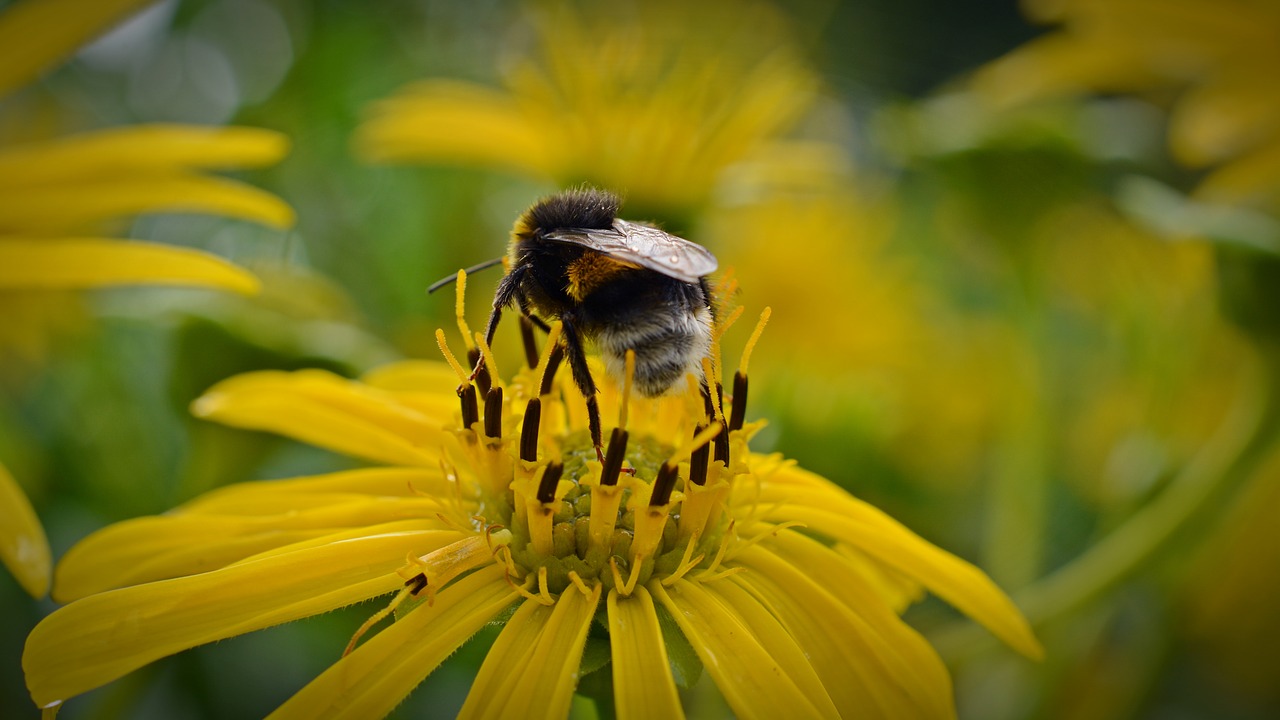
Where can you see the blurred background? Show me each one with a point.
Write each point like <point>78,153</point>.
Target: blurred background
<point>1022,260</point>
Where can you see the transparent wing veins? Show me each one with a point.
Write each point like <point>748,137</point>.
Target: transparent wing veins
<point>646,246</point>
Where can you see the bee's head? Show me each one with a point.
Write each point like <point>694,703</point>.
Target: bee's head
<point>585,208</point>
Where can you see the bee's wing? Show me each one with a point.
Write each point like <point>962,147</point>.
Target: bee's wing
<point>647,247</point>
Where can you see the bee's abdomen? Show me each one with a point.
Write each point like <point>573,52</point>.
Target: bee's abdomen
<point>665,352</point>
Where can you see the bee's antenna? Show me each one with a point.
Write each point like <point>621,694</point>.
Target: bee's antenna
<point>474,268</point>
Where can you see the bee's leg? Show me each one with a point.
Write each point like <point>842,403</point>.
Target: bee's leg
<point>508,289</point>
<point>582,378</point>
<point>529,342</point>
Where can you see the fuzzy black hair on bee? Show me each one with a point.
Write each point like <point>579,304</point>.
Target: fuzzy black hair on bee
<point>623,285</point>
<point>585,208</point>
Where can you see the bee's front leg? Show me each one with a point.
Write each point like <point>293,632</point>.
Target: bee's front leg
<point>582,378</point>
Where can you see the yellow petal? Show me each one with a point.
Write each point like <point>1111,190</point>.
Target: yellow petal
<point>323,409</point>
<point>73,206</point>
<point>844,518</point>
<point>102,637</point>
<point>27,263</point>
<point>134,151</point>
<point>37,34</point>
<point>275,496</point>
<point>544,688</point>
<point>776,640</point>
<point>417,383</point>
<point>374,678</point>
<point>752,681</point>
<point>24,549</point>
<point>449,121</point>
<point>642,683</point>
<point>898,590</point>
<point>505,661</point>
<point>411,376</point>
<point>154,548</point>
<point>870,661</point>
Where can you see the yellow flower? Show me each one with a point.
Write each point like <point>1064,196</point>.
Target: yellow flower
<point>53,193</point>
<point>785,587</point>
<point>661,100</point>
<point>1215,56</point>
<point>24,549</point>
<point>38,34</point>
<point>917,380</point>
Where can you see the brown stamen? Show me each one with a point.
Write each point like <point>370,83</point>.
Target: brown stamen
<point>493,413</point>
<point>613,458</point>
<point>722,440</point>
<point>470,407</point>
<point>739,413</point>
<point>416,583</point>
<point>529,431</point>
<point>547,487</point>
<point>699,460</point>
<point>663,485</point>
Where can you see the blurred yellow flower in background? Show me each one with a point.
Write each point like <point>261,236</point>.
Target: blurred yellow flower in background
<point>38,34</point>
<point>886,355</point>
<point>1210,61</point>
<point>55,193</point>
<point>496,497</point>
<point>668,103</point>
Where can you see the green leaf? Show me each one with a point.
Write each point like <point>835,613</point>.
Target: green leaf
<point>595,655</point>
<point>686,668</point>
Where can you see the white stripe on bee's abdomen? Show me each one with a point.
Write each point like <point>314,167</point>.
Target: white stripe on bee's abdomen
<point>665,352</point>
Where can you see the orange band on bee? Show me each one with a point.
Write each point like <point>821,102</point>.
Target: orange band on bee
<point>591,271</point>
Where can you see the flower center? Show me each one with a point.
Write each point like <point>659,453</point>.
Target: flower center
<point>574,547</point>
<point>526,467</point>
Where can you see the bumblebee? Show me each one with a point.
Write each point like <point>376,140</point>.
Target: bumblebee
<point>620,284</point>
